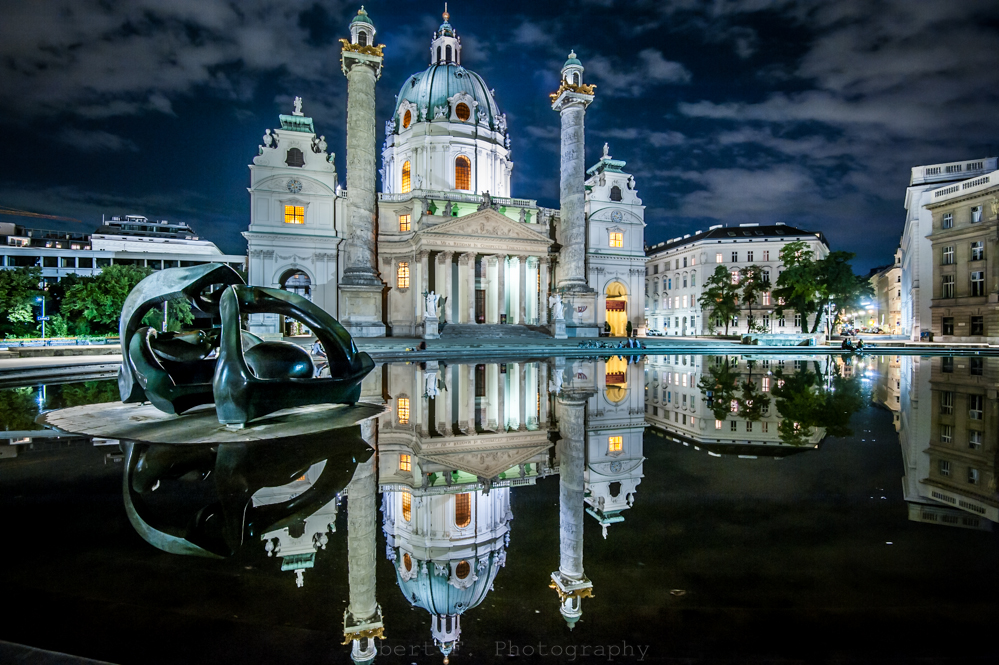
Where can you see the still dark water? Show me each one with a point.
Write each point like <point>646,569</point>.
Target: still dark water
<point>667,509</point>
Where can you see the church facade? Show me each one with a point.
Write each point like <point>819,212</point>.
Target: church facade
<point>445,223</point>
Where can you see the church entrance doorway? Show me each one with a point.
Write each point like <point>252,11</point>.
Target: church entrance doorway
<point>617,309</point>
<point>298,283</point>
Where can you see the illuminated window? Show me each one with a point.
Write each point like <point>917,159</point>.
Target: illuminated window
<point>294,214</point>
<point>405,178</point>
<point>735,406</point>
<point>615,444</point>
<point>693,261</point>
<point>402,275</point>
<point>462,570</point>
<point>462,112</point>
<point>462,510</point>
<point>407,120</point>
<point>766,384</point>
<point>407,561</point>
<point>462,173</point>
<point>684,301</point>
<point>718,424</point>
<point>402,409</point>
<point>616,239</point>
<point>766,297</point>
<point>404,222</point>
<point>718,257</point>
<point>405,462</point>
<point>735,276</point>
<point>407,506</point>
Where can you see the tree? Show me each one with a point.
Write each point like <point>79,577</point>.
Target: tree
<point>839,286</point>
<point>797,287</point>
<point>753,287</point>
<point>720,297</point>
<point>718,387</point>
<point>804,402</point>
<point>18,290</point>
<point>100,299</point>
<point>752,401</point>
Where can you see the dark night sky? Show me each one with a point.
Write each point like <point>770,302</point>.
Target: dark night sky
<point>727,111</point>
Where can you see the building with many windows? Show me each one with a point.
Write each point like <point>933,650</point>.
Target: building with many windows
<point>965,304</point>
<point>676,270</point>
<point>887,285</point>
<point>917,255</point>
<point>119,240</point>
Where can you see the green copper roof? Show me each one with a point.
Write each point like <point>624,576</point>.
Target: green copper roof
<point>573,60</point>
<point>434,86</point>
<point>297,123</point>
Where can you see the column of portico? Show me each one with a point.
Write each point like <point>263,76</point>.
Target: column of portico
<point>444,283</point>
<point>522,369</point>
<point>470,277</point>
<point>543,291</point>
<point>471,400</point>
<point>500,287</point>
<point>522,305</point>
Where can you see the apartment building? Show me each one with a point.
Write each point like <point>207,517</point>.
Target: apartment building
<point>675,272</point>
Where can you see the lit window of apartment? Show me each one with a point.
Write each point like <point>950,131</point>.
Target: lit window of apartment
<point>294,214</point>
<point>944,467</point>
<point>616,239</point>
<point>734,406</point>
<point>405,462</point>
<point>685,301</point>
<point>947,221</point>
<point>766,297</point>
<point>947,286</point>
<point>948,255</point>
<point>718,257</point>
<point>404,223</point>
<point>978,283</point>
<point>693,260</point>
<point>735,276</point>
<point>615,444</point>
<point>947,403</point>
<point>974,439</point>
<point>765,384</point>
<point>976,404</point>
<point>718,424</point>
<point>402,275</point>
<point>402,410</point>
<point>946,433</point>
<point>978,250</point>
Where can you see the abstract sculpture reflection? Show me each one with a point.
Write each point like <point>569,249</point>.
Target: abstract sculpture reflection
<point>243,375</point>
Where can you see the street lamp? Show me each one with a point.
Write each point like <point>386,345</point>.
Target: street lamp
<point>42,318</point>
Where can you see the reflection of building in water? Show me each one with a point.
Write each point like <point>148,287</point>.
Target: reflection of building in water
<point>888,389</point>
<point>296,545</point>
<point>674,402</point>
<point>948,432</point>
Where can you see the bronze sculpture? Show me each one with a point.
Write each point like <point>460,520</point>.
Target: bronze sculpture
<point>245,376</point>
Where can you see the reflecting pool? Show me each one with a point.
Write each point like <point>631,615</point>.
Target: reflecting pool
<point>625,509</point>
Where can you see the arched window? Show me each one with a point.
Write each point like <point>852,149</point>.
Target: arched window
<point>405,178</point>
<point>447,53</point>
<point>615,193</point>
<point>407,119</point>
<point>402,282</point>
<point>462,112</point>
<point>407,506</point>
<point>438,54</point>
<point>462,510</point>
<point>575,78</point>
<point>295,157</point>
<point>362,38</point>
<point>693,279</point>
<point>462,173</point>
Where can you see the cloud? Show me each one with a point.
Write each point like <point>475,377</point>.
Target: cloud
<point>652,69</point>
<point>96,141</point>
<point>657,139</point>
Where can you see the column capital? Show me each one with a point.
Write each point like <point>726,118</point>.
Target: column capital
<point>422,254</point>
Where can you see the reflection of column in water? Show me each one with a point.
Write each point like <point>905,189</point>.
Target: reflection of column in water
<point>543,395</point>
<point>362,622</point>
<point>471,399</point>
<point>569,580</point>
<point>501,396</point>
<point>522,371</point>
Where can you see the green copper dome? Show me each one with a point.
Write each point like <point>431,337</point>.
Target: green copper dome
<point>573,60</point>
<point>433,88</point>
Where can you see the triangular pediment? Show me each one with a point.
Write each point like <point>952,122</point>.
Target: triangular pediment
<point>485,457</point>
<point>488,225</point>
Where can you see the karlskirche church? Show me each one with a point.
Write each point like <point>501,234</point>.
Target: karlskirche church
<point>445,223</point>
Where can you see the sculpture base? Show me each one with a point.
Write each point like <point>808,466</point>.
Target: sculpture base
<point>147,424</point>
<point>558,326</point>
<point>361,309</point>
<point>431,328</point>
<point>581,314</point>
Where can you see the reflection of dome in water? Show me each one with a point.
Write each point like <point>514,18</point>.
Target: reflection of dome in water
<point>447,575</point>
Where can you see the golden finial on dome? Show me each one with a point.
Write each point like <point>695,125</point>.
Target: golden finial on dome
<point>446,15</point>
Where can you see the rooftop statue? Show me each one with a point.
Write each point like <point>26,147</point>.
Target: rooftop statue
<point>244,376</point>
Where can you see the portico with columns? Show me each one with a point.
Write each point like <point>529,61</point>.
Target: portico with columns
<point>486,268</point>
